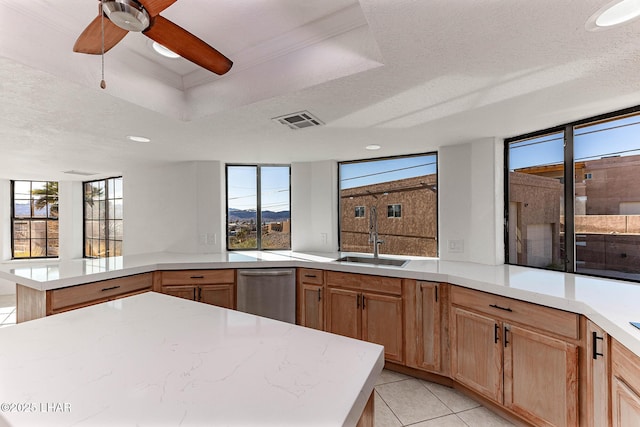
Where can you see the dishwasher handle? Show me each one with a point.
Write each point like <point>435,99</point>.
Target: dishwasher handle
<point>265,273</point>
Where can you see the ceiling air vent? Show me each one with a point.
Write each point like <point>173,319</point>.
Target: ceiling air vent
<point>299,120</point>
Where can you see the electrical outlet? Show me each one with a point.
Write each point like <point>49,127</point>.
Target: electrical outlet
<point>212,238</point>
<point>456,246</point>
<point>325,238</point>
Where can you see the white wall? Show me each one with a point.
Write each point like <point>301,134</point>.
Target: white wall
<point>471,202</point>
<point>314,206</point>
<point>177,208</point>
<point>70,223</point>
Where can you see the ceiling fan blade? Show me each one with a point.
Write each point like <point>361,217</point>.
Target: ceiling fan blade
<point>90,41</point>
<point>185,44</point>
<point>154,7</point>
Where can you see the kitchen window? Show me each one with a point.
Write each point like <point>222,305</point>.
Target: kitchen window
<point>34,219</point>
<point>407,187</point>
<point>258,207</point>
<point>573,197</point>
<point>103,218</point>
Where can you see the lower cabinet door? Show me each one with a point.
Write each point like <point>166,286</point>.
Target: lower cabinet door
<point>540,377</point>
<point>312,307</point>
<point>220,295</point>
<point>626,404</point>
<point>343,313</point>
<point>186,292</point>
<point>476,352</point>
<point>382,323</point>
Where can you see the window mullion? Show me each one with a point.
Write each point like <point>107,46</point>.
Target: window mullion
<point>569,202</point>
<point>258,209</point>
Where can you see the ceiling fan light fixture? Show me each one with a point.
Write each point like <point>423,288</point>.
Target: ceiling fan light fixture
<point>614,13</point>
<point>161,50</point>
<point>127,14</point>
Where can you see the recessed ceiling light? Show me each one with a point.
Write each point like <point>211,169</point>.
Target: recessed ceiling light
<point>614,13</point>
<point>372,147</point>
<point>164,51</point>
<point>138,138</point>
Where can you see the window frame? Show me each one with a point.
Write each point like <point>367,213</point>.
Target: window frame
<point>107,239</point>
<point>258,167</point>
<point>31,218</point>
<point>359,209</point>
<point>400,156</point>
<point>394,210</point>
<point>568,130</point>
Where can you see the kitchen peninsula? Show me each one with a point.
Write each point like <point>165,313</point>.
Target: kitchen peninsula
<point>154,360</point>
<point>564,336</point>
<point>610,303</point>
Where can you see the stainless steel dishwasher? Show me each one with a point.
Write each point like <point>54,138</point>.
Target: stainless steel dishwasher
<point>268,293</point>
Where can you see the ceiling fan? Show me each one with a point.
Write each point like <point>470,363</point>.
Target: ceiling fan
<point>144,16</point>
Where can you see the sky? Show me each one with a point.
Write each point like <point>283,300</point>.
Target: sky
<point>618,137</point>
<point>376,171</point>
<point>242,187</point>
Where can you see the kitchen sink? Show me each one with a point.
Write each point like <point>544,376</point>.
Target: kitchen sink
<point>376,261</point>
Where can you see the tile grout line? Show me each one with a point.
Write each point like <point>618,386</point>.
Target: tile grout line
<point>387,405</point>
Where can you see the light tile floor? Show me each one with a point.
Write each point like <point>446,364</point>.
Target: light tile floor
<point>401,400</point>
<point>7,310</point>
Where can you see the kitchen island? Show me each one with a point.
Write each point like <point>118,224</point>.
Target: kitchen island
<point>155,360</point>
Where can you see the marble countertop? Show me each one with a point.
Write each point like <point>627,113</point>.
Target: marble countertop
<point>610,303</point>
<point>155,360</point>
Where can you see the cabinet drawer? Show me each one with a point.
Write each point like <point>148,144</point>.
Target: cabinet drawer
<point>364,282</point>
<point>311,276</point>
<point>194,277</point>
<point>510,310</point>
<point>98,291</point>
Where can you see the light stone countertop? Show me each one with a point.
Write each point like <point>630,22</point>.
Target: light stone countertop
<point>610,303</point>
<point>156,360</point>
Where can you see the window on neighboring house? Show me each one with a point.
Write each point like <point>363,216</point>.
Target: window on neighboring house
<point>573,196</point>
<point>103,218</point>
<point>394,211</point>
<point>359,212</point>
<point>394,182</point>
<point>34,219</point>
<point>258,207</point>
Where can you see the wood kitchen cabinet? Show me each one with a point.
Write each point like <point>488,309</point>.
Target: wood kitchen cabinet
<point>521,355</point>
<point>215,287</point>
<point>311,298</point>
<point>625,386</point>
<point>426,325</point>
<point>33,304</point>
<point>595,376</point>
<point>367,307</point>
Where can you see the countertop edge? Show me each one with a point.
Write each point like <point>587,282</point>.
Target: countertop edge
<point>624,333</point>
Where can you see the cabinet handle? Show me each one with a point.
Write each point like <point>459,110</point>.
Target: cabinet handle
<point>358,301</point>
<point>363,302</point>
<point>319,294</point>
<point>310,275</point>
<point>595,344</point>
<point>110,289</point>
<point>436,293</point>
<point>495,333</point>
<point>197,277</point>
<point>500,308</point>
<point>506,341</point>
<point>199,293</point>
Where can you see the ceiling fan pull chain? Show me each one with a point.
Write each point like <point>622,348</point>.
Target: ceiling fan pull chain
<point>103,84</point>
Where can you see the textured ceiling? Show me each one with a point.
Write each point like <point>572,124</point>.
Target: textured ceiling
<point>408,75</point>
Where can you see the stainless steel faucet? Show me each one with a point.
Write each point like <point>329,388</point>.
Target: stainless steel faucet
<point>373,231</point>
